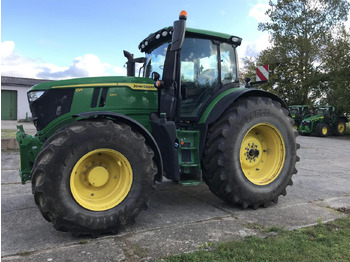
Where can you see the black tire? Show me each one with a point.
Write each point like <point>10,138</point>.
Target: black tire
<point>60,198</point>
<point>223,170</point>
<point>322,129</point>
<point>296,124</point>
<point>339,127</point>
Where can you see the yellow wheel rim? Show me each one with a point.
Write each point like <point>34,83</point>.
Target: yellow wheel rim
<point>262,154</point>
<point>341,127</point>
<point>324,130</point>
<point>101,179</point>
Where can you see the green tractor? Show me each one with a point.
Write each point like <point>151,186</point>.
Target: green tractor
<point>324,122</point>
<point>102,143</point>
<point>298,113</point>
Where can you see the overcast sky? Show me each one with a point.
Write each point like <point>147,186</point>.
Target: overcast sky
<point>57,39</point>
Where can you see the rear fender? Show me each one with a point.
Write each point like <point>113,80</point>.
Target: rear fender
<point>223,101</point>
<point>343,118</point>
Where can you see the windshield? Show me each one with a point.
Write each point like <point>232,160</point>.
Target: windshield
<point>323,111</point>
<point>206,66</point>
<point>294,111</point>
<point>199,61</point>
<point>155,61</point>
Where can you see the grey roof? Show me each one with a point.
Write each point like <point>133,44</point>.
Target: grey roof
<point>20,81</point>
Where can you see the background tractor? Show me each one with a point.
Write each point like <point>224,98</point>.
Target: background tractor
<point>324,122</point>
<point>103,142</point>
<point>298,113</point>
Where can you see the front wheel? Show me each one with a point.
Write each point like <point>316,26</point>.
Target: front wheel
<point>250,153</point>
<point>93,177</point>
<point>322,129</point>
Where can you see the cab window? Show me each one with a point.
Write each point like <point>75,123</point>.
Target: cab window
<point>199,73</point>
<point>228,64</point>
<point>155,61</point>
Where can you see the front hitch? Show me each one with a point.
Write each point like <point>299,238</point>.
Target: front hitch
<point>29,148</point>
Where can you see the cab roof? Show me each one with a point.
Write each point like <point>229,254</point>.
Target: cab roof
<point>164,35</point>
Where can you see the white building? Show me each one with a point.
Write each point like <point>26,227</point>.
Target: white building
<point>14,102</point>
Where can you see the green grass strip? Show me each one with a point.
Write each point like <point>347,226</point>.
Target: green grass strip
<point>323,242</point>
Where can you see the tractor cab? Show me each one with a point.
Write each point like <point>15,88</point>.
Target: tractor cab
<point>325,111</point>
<point>190,68</point>
<point>191,74</point>
<point>298,113</point>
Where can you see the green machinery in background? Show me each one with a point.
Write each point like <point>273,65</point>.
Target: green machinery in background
<point>324,122</point>
<point>298,113</point>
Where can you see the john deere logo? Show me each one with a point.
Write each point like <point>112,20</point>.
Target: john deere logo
<point>143,86</point>
<point>139,86</point>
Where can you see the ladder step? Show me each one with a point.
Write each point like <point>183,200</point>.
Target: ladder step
<point>190,182</point>
<point>188,165</point>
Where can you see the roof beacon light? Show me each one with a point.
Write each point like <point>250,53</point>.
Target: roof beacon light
<point>183,15</point>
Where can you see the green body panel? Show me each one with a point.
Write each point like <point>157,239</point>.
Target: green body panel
<point>92,81</point>
<point>189,160</point>
<point>29,148</point>
<point>210,107</point>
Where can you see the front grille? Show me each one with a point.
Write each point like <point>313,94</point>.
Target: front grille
<point>52,104</point>
<point>304,124</point>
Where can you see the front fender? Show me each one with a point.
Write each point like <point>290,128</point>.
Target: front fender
<point>131,122</point>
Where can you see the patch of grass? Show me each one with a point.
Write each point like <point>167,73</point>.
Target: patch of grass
<point>323,242</point>
<point>274,229</point>
<point>254,226</point>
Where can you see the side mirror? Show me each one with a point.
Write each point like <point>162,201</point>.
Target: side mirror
<point>155,76</point>
<point>157,83</point>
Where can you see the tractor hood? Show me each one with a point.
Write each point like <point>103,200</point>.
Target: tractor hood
<point>313,118</point>
<point>136,83</point>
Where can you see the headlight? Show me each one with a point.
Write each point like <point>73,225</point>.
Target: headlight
<point>34,95</point>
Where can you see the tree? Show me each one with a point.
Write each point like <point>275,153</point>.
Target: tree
<point>300,31</point>
<point>335,83</point>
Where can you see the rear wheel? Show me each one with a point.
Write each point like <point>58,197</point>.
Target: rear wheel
<point>93,177</point>
<point>339,127</point>
<point>250,153</point>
